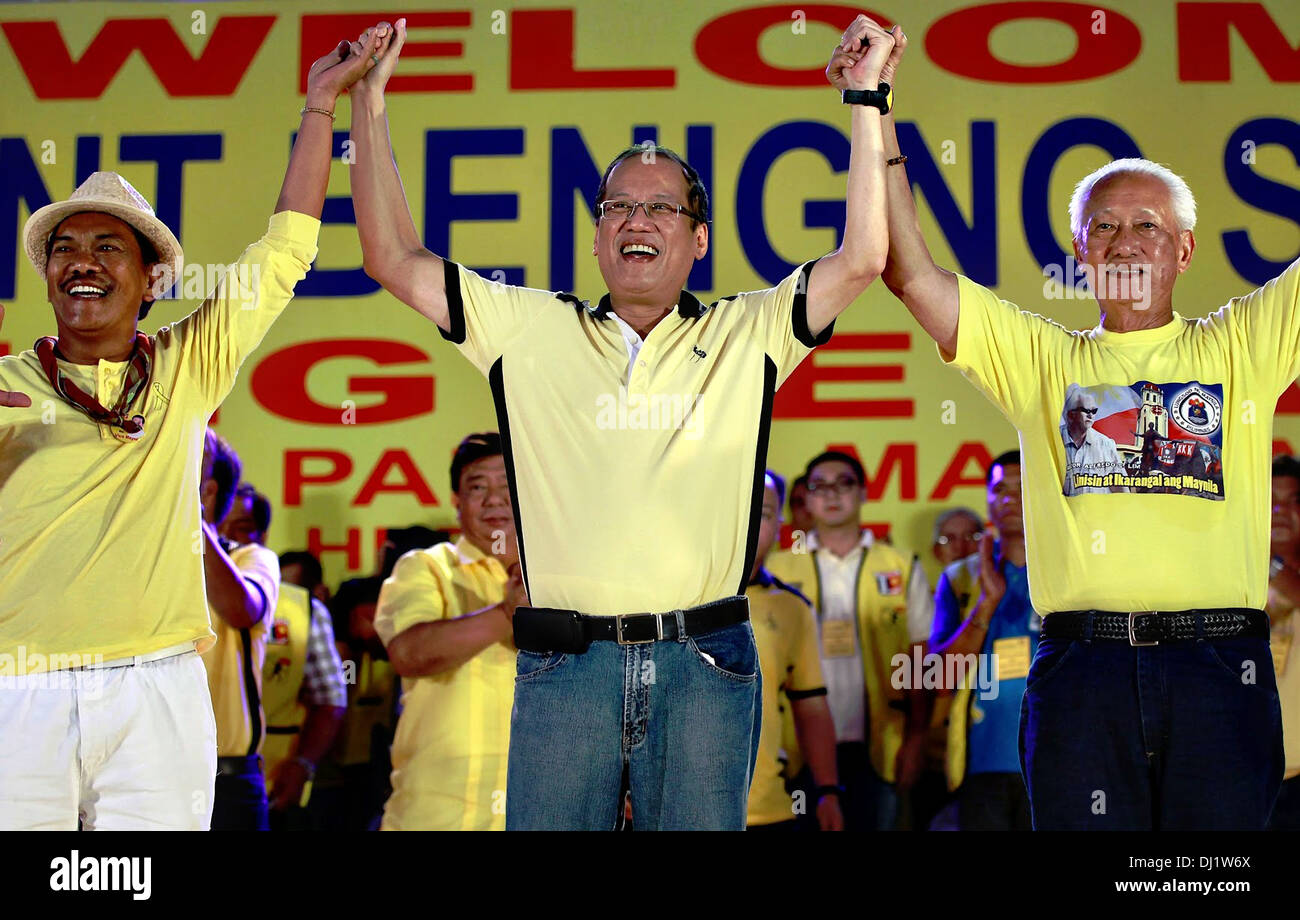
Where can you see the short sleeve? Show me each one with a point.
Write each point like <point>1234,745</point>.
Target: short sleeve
<point>323,680</point>
<point>805,657</point>
<point>781,321</point>
<point>1265,324</point>
<point>947,610</point>
<point>260,567</point>
<point>1002,349</point>
<point>920,603</point>
<point>487,317</point>
<point>413,594</point>
<point>227,327</point>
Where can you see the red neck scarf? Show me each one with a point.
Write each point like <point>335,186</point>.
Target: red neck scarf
<point>139,366</point>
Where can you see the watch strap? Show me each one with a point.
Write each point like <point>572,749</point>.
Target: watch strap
<point>882,97</point>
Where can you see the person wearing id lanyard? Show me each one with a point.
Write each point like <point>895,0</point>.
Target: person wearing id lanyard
<point>102,431</point>
<point>983,615</point>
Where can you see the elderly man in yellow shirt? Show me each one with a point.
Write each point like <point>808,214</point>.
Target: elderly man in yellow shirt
<point>103,700</point>
<point>445,617</point>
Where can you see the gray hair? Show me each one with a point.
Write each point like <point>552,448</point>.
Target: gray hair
<point>1180,196</point>
<point>951,513</point>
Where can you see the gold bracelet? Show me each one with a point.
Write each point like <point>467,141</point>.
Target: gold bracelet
<point>896,161</point>
<point>312,108</point>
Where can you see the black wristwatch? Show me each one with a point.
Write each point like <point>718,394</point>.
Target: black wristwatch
<point>882,98</point>
<point>822,791</point>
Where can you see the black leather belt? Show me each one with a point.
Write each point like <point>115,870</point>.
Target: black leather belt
<point>546,629</point>
<point>1151,627</point>
<point>239,766</point>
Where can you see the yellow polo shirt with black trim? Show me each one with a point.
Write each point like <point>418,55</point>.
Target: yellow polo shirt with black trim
<point>882,632</point>
<point>235,662</point>
<point>449,754</point>
<point>786,636</point>
<point>1207,388</point>
<point>683,429</point>
<point>99,551</point>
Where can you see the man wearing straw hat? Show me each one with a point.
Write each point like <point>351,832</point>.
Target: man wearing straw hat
<point>103,698</point>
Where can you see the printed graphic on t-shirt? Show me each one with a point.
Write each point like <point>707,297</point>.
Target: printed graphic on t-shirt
<point>1145,437</point>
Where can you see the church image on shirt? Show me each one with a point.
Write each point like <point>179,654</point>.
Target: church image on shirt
<point>1144,437</point>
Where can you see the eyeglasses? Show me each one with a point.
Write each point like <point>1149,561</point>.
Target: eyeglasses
<point>842,486</point>
<point>944,539</point>
<point>658,211</point>
<point>1088,412</point>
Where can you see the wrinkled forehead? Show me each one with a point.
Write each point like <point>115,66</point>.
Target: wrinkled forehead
<point>1128,193</point>
<point>662,180</point>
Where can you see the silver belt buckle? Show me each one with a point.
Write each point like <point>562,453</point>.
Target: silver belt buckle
<point>621,618</point>
<point>1132,623</point>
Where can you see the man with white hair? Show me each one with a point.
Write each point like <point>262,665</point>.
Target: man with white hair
<point>1151,702</point>
<point>1088,452</point>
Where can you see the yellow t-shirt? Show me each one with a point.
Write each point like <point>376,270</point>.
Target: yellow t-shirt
<point>99,551</point>
<point>449,754</point>
<point>234,663</point>
<point>786,635</point>
<point>1183,422</point>
<point>1285,633</point>
<point>686,425</point>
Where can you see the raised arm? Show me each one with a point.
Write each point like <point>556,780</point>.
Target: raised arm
<point>308,173</point>
<point>927,290</point>
<point>391,249</point>
<point>844,274</point>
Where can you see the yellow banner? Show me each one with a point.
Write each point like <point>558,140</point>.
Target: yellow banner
<point>502,118</point>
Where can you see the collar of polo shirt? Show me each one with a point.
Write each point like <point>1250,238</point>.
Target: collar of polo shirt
<point>688,306</point>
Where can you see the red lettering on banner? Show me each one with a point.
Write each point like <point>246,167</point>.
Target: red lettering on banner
<point>1289,402</point>
<point>542,57</point>
<point>796,398</point>
<point>1282,446</point>
<point>1205,44</point>
<point>352,546</point>
<point>324,31</point>
<point>953,476</point>
<point>279,382</point>
<point>959,42</point>
<point>53,74</point>
<point>729,44</point>
<point>412,482</point>
<point>295,476</point>
<point>901,457</point>
<point>4,349</point>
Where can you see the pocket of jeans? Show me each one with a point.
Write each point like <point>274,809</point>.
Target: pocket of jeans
<point>534,664</point>
<point>1049,662</point>
<point>1231,655</point>
<point>729,652</point>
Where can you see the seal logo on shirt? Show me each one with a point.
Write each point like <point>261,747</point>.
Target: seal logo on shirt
<point>1144,437</point>
<point>279,633</point>
<point>889,583</point>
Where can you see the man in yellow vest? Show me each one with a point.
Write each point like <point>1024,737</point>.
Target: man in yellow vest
<point>786,635</point>
<point>986,633</point>
<point>859,589</point>
<point>444,616</point>
<point>1284,614</point>
<point>243,587</point>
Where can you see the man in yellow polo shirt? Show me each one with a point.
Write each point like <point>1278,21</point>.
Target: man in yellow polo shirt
<point>635,430</point>
<point>786,635</point>
<point>444,617</point>
<point>1284,613</point>
<point>243,587</point>
<point>103,700</point>
<point>1151,702</point>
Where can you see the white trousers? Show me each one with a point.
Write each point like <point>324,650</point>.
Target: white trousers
<point>114,748</point>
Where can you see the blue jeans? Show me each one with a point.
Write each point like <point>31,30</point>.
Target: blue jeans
<point>681,715</point>
<point>1179,736</point>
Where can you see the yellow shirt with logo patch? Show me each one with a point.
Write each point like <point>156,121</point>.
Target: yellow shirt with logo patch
<point>786,635</point>
<point>1131,551</point>
<point>449,754</point>
<point>235,661</point>
<point>100,550</point>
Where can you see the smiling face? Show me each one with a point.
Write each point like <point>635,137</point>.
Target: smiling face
<point>483,504</point>
<point>646,261</point>
<point>1132,244</point>
<point>96,276</point>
